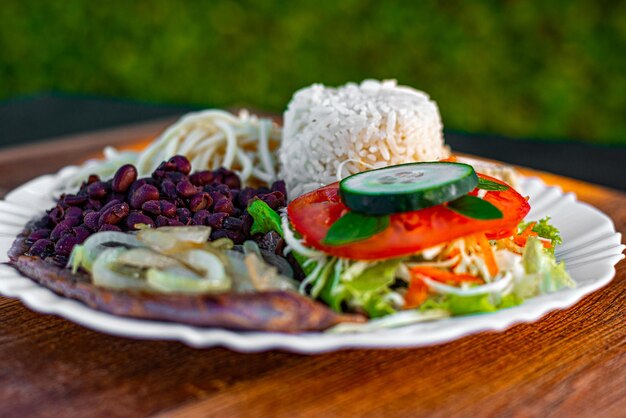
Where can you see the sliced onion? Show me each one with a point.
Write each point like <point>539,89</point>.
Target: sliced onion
<point>497,286</point>
<point>182,280</point>
<point>146,258</point>
<point>222,244</point>
<point>398,319</point>
<point>211,267</point>
<point>170,240</point>
<point>94,245</point>
<point>264,276</point>
<point>104,275</point>
<point>269,257</point>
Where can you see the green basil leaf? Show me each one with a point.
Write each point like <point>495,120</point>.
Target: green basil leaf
<point>485,184</point>
<point>265,219</point>
<point>353,227</point>
<point>475,207</point>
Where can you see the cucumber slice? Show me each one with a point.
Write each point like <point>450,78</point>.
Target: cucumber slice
<point>406,187</point>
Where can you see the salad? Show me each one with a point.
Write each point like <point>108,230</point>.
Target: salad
<point>435,238</point>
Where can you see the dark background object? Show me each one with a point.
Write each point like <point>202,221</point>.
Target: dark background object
<point>534,69</point>
<point>48,116</point>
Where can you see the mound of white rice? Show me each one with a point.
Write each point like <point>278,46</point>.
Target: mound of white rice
<point>354,128</point>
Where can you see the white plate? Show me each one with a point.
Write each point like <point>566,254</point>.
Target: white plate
<point>591,249</point>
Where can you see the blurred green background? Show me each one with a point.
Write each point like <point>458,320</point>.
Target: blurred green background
<point>545,69</point>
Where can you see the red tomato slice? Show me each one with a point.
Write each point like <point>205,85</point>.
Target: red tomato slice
<point>313,213</point>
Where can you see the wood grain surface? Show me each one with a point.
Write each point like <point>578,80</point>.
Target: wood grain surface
<point>570,363</point>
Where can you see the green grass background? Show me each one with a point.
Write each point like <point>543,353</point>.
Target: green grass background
<point>546,69</point>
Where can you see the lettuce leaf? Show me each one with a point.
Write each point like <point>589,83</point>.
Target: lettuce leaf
<point>544,230</point>
<point>543,273</point>
<point>265,219</point>
<point>366,291</point>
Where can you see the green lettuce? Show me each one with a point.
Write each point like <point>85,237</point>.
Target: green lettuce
<point>265,219</point>
<point>544,230</point>
<point>366,291</point>
<point>543,273</point>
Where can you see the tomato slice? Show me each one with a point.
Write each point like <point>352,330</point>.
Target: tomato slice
<point>313,213</point>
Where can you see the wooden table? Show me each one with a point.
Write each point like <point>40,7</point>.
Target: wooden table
<point>571,363</point>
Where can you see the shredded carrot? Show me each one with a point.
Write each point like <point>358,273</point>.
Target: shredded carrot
<point>444,276</point>
<point>521,238</point>
<point>450,159</point>
<point>490,260</point>
<point>453,253</point>
<point>416,294</point>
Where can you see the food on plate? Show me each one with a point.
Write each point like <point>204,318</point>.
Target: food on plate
<point>173,246</point>
<point>472,253</point>
<point>384,225</point>
<point>209,139</point>
<point>329,132</point>
<point>406,187</point>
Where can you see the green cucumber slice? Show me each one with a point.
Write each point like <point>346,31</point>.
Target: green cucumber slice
<point>406,187</point>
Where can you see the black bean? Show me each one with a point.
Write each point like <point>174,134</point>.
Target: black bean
<point>56,214</point>
<point>65,244</point>
<point>201,178</point>
<point>74,200</point>
<point>272,241</point>
<point>233,224</point>
<point>114,214</point>
<point>181,163</point>
<point>143,194</point>
<point>224,205</point>
<point>270,199</point>
<point>166,166</point>
<point>38,234</point>
<point>168,188</point>
<point>81,233</point>
<point>216,220</point>
<point>97,190</point>
<point>93,204</point>
<point>245,195</point>
<point>167,208</point>
<point>61,229</point>
<point>174,176</point>
<point>232,180</point>
<point>116,196</point>
<point>72,220</point>
<point>223,189</point>
<point>135,218</point>
<point>92,179</point>
<point>200,217</point>
<point>200,201</point>
<point>110,204</point>
<point>247,222</point>
<point>41,246</point>
<point>44,222</point>
<point>237,236</point>
<point>109,227</point>
<point>176,222</point>
<point>124,178</point>
<point>186,189</point>
<point>91,220</point>
<point>184,215</point>
<point>282,199</point>
<point>161,221</point>
<point>153,207</point>
<point>279,186</point>
<point>234,196</point>
<point>73,212</point>
<point>136,184</point>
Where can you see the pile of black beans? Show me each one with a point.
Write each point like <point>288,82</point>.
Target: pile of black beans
<point>170,197</point>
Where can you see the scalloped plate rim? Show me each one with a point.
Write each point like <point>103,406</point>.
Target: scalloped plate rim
<point>43,300</point>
